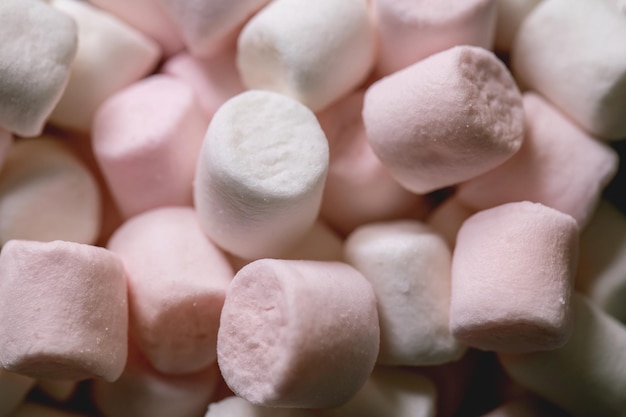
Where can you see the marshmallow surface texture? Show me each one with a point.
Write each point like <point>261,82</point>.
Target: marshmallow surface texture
<point>47,193</point>
<point>512,273</point>
<point>280,49</point>
<point>409,267</point>
<point>299,334</point>
<point>583,39</point>
<point>411,30</point>
<point>587,376</point>
<point>559,165</point>
<point>446,119</point>
<point>177,282</point>
<point>38,47</point>
<point>111,55</point>
<point>64,311</point>
<point>146,140</point>
<point>260,174</point>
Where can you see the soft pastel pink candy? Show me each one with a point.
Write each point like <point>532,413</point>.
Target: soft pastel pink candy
<point>63,311</point>
<point>512,272</point>
<point>559,165</point>
<point>177,280</point>
<point>446,119</point>
<point>299,334</point>
<point>411,30</point>
<point>146,139</point>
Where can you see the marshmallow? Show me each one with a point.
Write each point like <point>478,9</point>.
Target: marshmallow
<point>587,376</point>
<point>313,51</point>
<point>58,390</point>
<point>64,312</point>
<point>46,193</point>
<point>572,52</point>
<point>177,282</point>
<point>32,83</point>
<point>103,43</point>
<point>446,119</point>
<point>410,30</point>
<point>558,165</point>
<point>149,17</point>
<point>448,218</point>
<point>359,189</point>
<point>409,268</point>
<point>393,392</point>
<point>206,26</point>
<point>511,14</point>
<point>602,264</point>
<point>143,392</point>
<point>146,139</point>
<point>512,272</point>
<point>299,334</point>
<point>13,389</point>
<point>235,406</point>
<point>260,174</point>
<point>38,410</point>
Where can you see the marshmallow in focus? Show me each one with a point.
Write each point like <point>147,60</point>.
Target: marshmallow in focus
<point>313,51</point>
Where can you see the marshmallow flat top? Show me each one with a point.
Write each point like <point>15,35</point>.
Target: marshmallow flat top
<point>260,174</point>
<point>446,119</point>
<point>280,49</point>
<point>38,46</point>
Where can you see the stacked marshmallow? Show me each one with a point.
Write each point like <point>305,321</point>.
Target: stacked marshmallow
<point>329,208</point>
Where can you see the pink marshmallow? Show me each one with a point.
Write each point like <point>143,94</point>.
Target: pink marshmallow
<point>446,119</point>
<point>64,311</point>
<point>558,165</point>
<point>410,30</point>
<point>146,139</point>
<point>298,333</point>
<point>177,280</point>
<point>512,273</point>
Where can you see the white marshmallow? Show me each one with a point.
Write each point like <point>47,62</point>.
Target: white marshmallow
<point>260,174</point>
<point>38,46</point>
<point>313,51</point>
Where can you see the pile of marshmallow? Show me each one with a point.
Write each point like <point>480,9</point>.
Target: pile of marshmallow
<point>297,208</point>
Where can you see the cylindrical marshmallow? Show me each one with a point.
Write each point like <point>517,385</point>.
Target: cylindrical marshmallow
<point>572,52</point>
<point>409,267</point>
<point>236,406</point>
<point>446,119</point>
<point>13,389</point>
<point>104,42</point>
<point>559,165</point>
<point>313,51</point>
<point>260,174</point>
<point>32,82</point>
<point>411,30</point>
<point>177,280</point>
<point>46,193</point>
<point>63,310</point>
<point>146,139</point>
<point>512,273</point>
<point>301,334</point>
<point>587,376</point>
<point>511,14</point>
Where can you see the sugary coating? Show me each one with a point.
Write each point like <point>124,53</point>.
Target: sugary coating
<point>32,83</point>
<point>206,26</point>
<point>409,267</point>
<point>513,269</point>
<point>260,174</point>
<point>103,43</point>
<point>572,52</point>
<point>46,193</point>
<point>393,392</point>
<point>301,334</point>
<point>13,389</point>
<point>559,165</point>
<point>587,376</point>
<point>236,406</point>
<point>177,280</point>
<point>411,30</point>
<point>359,189</point>
<point>511,14</point>
<point>63,311</point>
<point>280,49</point>
<point>146,139</point>
<point>445,119</point>
<point>149,17</point>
